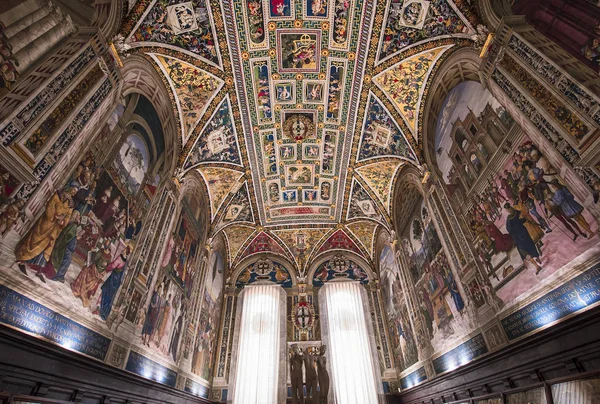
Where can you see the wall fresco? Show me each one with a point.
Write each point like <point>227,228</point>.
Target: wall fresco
<point>400,329</point>
<point>203,358</point>
<point>264,270</point>
<point>339,267</point>
<point>527,187</point>
<point>442,305</point>
<point>184,25</point>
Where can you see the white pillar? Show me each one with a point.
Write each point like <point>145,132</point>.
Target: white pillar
<point>16,13</point>
<point>28,20</point>
<point>28,35</point>
<point>38,47</point>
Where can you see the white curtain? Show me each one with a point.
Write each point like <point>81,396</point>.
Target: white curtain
<point>352,369</point>
<point>257,374</point>
<point>577,392</point>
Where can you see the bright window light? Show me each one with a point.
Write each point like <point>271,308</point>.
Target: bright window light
<point>257,374</point>
<point>353,376</point>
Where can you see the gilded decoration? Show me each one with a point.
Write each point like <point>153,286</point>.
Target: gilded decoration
<point>288,124</point>
<point>280,101</point>
<point>364,231</point>
<point>194,88</point>
<point>404,83</point>
<point>220,182</point>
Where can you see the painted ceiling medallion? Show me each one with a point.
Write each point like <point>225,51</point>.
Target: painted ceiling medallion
<point>299,126</point>
<point>182,18</point>
<point>263,267</point>
<point>340,263</point>
<point>411,13</point>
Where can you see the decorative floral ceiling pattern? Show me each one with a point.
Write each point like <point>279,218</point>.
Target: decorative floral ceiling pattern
<point>298,114</point>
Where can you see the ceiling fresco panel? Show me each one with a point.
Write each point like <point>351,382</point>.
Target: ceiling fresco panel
<point>296,91</point>
<point>361,205</point>
<point>339,241</point>
<point>298,50</point>
<point>381,135</point>
<point>187,26</point>
<point>337,70</point>
<point>263,243</point>
<point>316,9</point>
<point>194,89</point>
<point>263,97</point>
<point>380,177</point>
<point>301,242</point>
<point>236,238</point>
<point>219,181</point>
<point>342,14</point>
<point>405,82</point>
<point>281,9</point>
<point>364,231</point>
<point>218,140</point>
<point>410,22</point>
<point>255,23</point>
<point>239,209</point>
<point>304,121</point>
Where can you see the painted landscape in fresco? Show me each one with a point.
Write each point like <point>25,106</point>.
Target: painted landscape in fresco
<point>75,258</point>
<point>403,340</point>
<point>442,305</point>
<point>131,163</point>
<point>524,217</point>
<point>77,250</point>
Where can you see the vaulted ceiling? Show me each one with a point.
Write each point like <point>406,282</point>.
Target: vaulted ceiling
<point>298,114</point>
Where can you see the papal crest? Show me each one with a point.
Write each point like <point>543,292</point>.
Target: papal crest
<point>182,18</point>
<point>217,140</point>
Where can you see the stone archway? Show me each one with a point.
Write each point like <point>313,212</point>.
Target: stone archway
<point>139,76</point>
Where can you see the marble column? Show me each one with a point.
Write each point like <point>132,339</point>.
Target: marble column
<point>52,29</point>
<point>28,20</point>
<point>22,10</point>
<point>30,33</point>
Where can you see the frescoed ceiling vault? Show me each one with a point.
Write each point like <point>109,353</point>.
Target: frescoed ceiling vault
<point>298,113</point>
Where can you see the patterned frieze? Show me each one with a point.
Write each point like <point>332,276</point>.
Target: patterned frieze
<point>570,122</point>
<point>573,91</point>
<point>49,93</point>
<point>541,123</point>
<point>66,138</point>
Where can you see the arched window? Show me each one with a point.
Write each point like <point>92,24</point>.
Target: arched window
<point>132,162</point>
<point>483,150</point>
<point>461,138</point>
<point>475,162</point>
